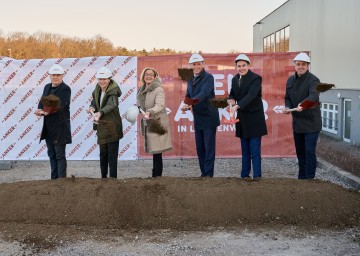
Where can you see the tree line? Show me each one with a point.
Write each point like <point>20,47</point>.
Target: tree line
<point>42,45</point>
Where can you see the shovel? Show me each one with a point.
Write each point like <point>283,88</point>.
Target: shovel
<point>108,127</point>
<point>190,102</point>
<point>219,103</point>
<point>154,125</point>
<point>93,116</point>
<point>306,104</point>
<point>185,73</point>
<point>51,103</point>
<point>232,118</point>
<point>323,87</point>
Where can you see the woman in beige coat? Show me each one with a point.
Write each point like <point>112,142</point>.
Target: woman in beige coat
<point>151,99</point>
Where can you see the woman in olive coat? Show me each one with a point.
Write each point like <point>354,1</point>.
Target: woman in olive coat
<point>105,106</point>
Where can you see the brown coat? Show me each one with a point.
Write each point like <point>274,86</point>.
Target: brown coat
<point>152,99</point>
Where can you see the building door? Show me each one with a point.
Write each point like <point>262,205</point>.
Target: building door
<point>347,120</point>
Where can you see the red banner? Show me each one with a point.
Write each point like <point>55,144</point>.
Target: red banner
<point>274,68</point>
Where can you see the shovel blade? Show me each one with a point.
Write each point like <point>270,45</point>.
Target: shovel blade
<point>309,104</point>
<point>231,121</point>
<point>190,101</point>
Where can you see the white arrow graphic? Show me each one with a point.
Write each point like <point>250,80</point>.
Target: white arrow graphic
<point>279,109</point>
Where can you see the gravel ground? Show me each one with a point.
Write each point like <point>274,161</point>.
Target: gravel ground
<point>246,240</point>
<point>287,242</point>
<point>271,167</point>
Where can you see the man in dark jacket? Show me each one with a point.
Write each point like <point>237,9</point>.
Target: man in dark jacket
<point>206,116</point>
<point>306,123</point>
<point>56,128</point>
<point>246,99</point>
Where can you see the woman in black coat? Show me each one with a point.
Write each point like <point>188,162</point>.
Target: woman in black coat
<point>246,99</point>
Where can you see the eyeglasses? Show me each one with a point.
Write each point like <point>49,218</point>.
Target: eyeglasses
<point>149,75</point>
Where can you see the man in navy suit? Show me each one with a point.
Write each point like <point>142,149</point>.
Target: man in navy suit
<point>206,116</point>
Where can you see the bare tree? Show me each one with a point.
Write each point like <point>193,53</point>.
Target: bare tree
<point>20,45</point>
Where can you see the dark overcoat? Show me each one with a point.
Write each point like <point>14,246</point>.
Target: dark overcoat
<point>56,128</point>
<point>248,96</point>
<point>299,89</point>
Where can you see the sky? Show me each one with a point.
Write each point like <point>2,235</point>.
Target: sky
<point>210,26</point>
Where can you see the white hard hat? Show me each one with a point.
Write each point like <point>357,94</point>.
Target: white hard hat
<point>132,114</point>
<point>195,58</point>
<point>103,72</point>
<point>56,70</point>
<point>302,56</point>
<point>242,57</point>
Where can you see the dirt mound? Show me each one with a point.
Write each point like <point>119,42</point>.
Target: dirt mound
<point>178,203</point>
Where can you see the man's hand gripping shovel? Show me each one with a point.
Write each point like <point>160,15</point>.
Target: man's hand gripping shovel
<point>306,104</point>
<point>232,118</point>
<point>189,102</point>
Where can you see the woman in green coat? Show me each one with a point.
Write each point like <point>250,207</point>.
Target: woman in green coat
<point>105,109</point>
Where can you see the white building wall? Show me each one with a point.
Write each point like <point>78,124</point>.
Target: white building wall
<point>329,29</point>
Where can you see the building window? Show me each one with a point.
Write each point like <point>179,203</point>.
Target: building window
<point>278,41</point>
<point>287,38</point>
<point>329,115</point>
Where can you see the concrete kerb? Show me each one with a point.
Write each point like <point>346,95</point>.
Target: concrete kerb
<point>346,177</point>
<point>5,165</point>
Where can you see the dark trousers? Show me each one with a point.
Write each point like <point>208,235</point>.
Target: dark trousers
<point>251,152</point>
<point>109,158</point>
<point>157,165</point>
<point>205,148</point>
<point>58,162</point>
<point>305,144</point>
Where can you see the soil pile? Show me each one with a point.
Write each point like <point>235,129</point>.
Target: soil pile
<point>178,203</point>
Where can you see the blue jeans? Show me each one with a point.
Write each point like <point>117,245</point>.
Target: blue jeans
<point>109,158</point>
<point>251,152</point>
<point>58,162</point>
<point>205,148</point>
<point>305,144</point>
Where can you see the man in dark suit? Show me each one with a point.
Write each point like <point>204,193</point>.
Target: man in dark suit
<point>246,100</point>
<point>56,128</point>
<point>206,116</point>
<point>306,124</point>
